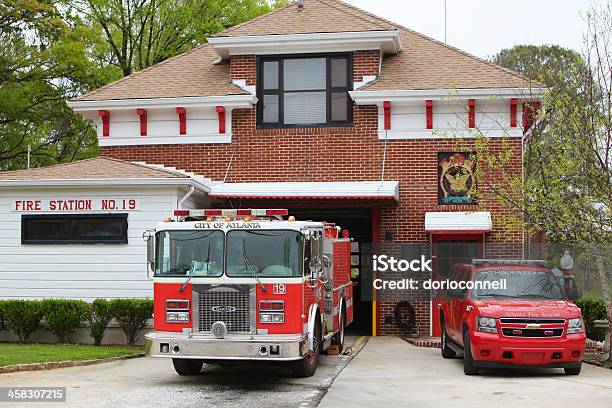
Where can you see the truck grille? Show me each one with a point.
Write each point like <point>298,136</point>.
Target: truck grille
<point>524,327</point>
<point>231,305</point>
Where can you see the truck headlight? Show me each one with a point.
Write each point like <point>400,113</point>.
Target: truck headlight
<point>271,318</point>
<point>486,324</point>
<point>575,326</point>
<point>177,317</point>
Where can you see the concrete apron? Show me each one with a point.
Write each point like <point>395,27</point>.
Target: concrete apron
<point>389,372</point>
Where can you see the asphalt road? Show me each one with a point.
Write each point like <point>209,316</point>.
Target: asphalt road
<point>389,372</point>
<point>152,382</point>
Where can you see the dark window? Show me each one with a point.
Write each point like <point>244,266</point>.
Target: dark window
<point>304,91</point>
<point>74,229</point>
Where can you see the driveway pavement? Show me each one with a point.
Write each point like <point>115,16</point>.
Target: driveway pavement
<point>389,372</point>
<point>152,382</point>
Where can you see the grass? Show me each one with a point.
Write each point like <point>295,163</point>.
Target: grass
<point>16,353</point>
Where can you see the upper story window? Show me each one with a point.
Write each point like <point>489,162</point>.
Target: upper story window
<point>304,91</point>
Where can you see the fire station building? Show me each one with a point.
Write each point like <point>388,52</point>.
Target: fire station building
<point>321,108</point>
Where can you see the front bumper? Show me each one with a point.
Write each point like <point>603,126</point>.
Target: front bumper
<point>491,350</point>
<point>232,347</point>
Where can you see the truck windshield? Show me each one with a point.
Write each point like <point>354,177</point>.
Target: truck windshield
<point>265,253</point>
<point>519,284</point>
<point>196,253</point>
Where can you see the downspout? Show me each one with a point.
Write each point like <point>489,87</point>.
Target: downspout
<point>185,197</point>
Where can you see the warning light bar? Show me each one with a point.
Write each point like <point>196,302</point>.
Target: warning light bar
<point>274,212</point>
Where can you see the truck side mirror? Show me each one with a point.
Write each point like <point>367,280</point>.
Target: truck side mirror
<point>149,237</point>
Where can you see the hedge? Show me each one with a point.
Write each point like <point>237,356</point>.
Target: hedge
<point>132,316</point>
<point>100,317</point>
<point>63,317</point>
<point>593,308</point>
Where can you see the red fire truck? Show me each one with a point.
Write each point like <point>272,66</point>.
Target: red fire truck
<point>247,285</point>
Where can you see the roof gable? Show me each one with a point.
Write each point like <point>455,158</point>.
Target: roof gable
<point>424,62</point>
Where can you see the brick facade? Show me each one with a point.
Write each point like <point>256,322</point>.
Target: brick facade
<point>334,154</point>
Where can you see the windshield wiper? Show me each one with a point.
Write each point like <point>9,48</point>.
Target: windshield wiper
<point>247,263</point>
<point>192,270</point>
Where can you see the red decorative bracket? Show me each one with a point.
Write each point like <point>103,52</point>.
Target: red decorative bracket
<point>221,112</point>
<point>429,113</point>
<point>105,115</point>
<point>513,104</point>
<point>472,113</point>
<point>182,114</point>
<point>142,113</point>
<point>387,109</point>
<point>530,111</point>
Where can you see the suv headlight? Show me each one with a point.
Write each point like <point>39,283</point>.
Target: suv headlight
<point>486,324</point>
<point>575,326</point>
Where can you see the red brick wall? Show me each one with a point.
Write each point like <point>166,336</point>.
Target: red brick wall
<point>365,63</point>
<point>335,154</point>
<point>244,67</point>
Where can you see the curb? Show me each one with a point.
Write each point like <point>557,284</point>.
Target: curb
<point>64,364</point>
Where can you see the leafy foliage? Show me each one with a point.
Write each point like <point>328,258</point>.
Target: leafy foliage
<point>22,317</point>
<point>593,308</point>
<point>132,315</point>
<point>101,315</point>
<point>63,317</point>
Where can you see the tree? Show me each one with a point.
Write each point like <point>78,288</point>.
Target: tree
<point>41,65</point>
<point>567,188</point>
<point>141,33</point>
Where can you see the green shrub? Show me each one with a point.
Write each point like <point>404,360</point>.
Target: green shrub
<point>132,315</point>
<point>100,317</point>
<point>64,316</point>
<point>2,324</point>
<point>22,317</point>
<point>593,308</point>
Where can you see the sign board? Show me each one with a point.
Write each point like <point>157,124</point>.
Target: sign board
<point>76,205</point>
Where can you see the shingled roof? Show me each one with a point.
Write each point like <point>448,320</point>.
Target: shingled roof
<point>424,62</point>
<point>92,169</point>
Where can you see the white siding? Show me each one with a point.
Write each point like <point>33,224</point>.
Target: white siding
<point>80,271</point>
<point>163,127</point>
<point>450,119</point>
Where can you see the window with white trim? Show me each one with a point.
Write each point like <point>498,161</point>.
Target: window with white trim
<point>304,91</point>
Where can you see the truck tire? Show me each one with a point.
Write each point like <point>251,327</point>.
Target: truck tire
<point>338,339</point>
<point>469,368</point>
<point>185,366</point>
<point>573,370</point>
<point>447,352</point>
<point>307,366</point>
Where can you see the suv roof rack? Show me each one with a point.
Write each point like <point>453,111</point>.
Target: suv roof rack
<point>509,261</point>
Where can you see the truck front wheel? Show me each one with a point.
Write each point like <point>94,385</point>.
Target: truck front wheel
<point>469,368</point>
<point>307,366</point>
<point>573,370</point>
<point>185,366</point>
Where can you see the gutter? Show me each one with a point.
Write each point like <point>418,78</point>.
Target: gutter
<point>185,197</point>
<point>228,101</point>
<point>6,184</point>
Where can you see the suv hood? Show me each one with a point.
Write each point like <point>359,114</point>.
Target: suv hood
<point>529,308</point>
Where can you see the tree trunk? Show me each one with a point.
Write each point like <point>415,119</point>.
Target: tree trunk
<point>603,278</point>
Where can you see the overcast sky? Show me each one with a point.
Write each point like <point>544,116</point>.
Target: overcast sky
<point>484,27</point>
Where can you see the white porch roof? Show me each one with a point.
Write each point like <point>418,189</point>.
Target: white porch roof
<point>458,222</point>
<point>308,190</point>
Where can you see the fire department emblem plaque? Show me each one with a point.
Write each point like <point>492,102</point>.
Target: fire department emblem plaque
<point>456,179</point>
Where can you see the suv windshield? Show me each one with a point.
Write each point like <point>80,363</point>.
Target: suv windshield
<point>196,253</point>
<point>519,284</point>
<point>264,253</point>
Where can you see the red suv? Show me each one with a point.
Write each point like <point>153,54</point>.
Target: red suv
<point>511,314</point>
